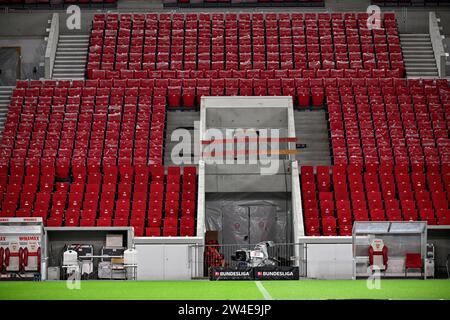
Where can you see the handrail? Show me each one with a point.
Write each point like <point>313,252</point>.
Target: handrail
<point>297,209</point>
<point>438,46</point>
<point>52,44</point>
<point>201,220</point>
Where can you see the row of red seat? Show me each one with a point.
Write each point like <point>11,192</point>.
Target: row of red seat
<point>399,122</point>
<point>143,197</point>
<point>375,193</point>
<point>310,73</point>
<point>187,92</point>
<point>163,79</point>
<point>241,42</point>
<point>249,74</point>
<point>388,18</point>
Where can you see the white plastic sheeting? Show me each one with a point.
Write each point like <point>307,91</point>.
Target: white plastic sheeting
<point>249,218</point>
<point>32,51</point>
<point>9,66</point>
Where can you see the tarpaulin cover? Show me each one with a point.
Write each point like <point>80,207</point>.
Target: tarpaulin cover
<point>249,218</point>
<point>9,61</point>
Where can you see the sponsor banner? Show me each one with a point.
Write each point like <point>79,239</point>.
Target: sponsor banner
<point>276,273</point>
<point>20,248</point>
<point>224,273</point>
<point>21,220</point>
<point>260,273</point>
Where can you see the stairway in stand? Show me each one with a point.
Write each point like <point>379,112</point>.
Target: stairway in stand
<point>5,97</point>
<point>312,130</point>
<point>418,55</point>
<point>71,57</point>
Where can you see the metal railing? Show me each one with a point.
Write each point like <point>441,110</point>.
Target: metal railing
<point>436,41</point>
<point>52,44</point>
<point>214,255</point>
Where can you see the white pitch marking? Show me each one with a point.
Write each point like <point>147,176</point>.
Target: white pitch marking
<point>263,290</point>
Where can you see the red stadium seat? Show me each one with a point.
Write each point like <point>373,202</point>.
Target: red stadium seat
<point>367,201</point>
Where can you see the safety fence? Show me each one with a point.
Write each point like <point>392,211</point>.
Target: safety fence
<point>241,256</point>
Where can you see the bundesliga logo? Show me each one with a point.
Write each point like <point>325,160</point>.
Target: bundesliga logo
<point>277,273</point>
<point>234,273</point>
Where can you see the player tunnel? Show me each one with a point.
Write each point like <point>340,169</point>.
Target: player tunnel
<point>248,173</point>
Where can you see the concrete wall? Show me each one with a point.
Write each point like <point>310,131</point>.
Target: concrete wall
<point>86,22</point>
<point>253,182</point>
<point>32,54</point>
<point>444,15</point>
<point>35,23</point>
<point>28,30</point>
<point>411,19</point>
<point>444,23</point>
<point>24,24</point>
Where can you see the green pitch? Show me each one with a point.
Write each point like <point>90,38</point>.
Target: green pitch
<point>228,290</point>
